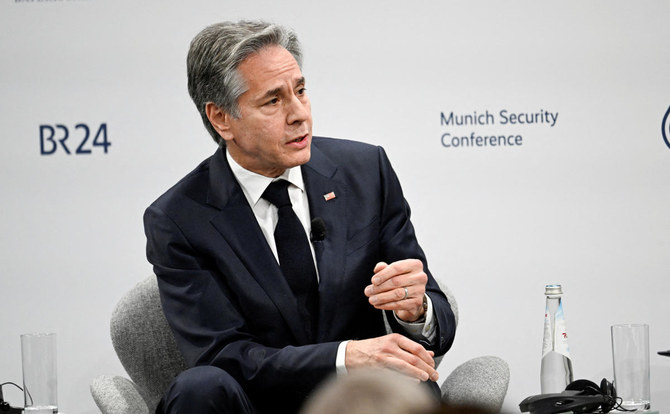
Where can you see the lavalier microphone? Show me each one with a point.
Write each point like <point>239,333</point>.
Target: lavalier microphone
<point>318,232</point>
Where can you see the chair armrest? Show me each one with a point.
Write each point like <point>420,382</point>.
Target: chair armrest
<point>117,395</point>
<point>480,382</point>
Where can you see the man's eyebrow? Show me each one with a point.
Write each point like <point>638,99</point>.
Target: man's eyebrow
<point>273,92</point>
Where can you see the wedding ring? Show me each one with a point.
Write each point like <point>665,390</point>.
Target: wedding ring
<point>406,294</point>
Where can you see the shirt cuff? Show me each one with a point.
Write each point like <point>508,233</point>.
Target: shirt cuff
<point>425,328</point>
<point>340,366</point>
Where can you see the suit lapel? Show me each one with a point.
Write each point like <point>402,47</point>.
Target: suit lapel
<point>322,184</point>
<point>238,226</point>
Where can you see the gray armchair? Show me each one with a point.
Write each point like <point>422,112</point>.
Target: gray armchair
<point>146,348</point>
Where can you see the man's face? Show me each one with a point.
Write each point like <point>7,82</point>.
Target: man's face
<point>274,130</point>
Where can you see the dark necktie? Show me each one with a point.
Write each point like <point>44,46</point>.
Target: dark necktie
<point>295,256</point>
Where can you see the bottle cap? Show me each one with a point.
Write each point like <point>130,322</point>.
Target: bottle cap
<point>553,290</point>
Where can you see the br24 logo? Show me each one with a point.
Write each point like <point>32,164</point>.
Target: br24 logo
<point>80,137</point>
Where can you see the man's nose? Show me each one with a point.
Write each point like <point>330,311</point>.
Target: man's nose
<point>298,110</point>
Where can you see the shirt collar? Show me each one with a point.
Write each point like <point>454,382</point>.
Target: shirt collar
<point>253,184</point>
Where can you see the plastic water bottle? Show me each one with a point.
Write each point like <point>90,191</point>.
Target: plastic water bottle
<point>556,369</point>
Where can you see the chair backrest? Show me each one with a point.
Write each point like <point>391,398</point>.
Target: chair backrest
<point>450,297</point>
<point>144,342</point>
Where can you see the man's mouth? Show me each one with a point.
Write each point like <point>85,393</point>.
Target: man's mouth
<point>299,139</point>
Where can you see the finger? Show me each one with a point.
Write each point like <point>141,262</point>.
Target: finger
<point>401,281</point>
<point>379,266</point>
<point>416,349</point>
<point>383,272</point>
<point>411,306</point>
<point>390,296</point>
<point>408,364</point>
<point>407,368</point>
<point>419,358</point>
<point>404,298</point>
<point>401,267</point>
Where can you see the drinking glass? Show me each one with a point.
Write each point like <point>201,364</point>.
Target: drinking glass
<point>630,355</point>
<point>40,384</point>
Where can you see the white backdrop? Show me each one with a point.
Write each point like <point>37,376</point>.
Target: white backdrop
<point>583,202</point>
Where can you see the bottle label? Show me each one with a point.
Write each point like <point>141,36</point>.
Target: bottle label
<point>546,341</point>
<point>561,334</point>
<point>557,340</point>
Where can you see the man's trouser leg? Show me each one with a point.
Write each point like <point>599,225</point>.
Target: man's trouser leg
<point>205,389</point>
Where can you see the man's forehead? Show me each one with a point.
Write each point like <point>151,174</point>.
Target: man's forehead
<point>270,69</point>
<point>269,60</point>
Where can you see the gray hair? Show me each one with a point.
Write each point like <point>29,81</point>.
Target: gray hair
<point>215,55</point>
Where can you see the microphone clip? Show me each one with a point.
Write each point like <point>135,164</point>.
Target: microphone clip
<point>318,232</point>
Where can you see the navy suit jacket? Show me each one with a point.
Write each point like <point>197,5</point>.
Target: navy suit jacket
<point>223,292</point>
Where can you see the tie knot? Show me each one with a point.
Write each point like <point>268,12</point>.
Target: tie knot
<point>277,193</point>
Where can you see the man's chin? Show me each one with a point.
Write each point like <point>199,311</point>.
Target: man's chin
<point>305,156</point>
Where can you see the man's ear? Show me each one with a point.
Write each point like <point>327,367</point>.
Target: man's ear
<point>219,119</point>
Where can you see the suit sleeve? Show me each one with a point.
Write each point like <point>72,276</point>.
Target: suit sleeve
<point>209,326</point>
<point>398,242</point>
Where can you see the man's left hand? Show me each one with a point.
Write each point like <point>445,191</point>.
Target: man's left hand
<point>399,287</point>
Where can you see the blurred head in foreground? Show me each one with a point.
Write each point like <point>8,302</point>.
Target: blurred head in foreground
<point>371,392</point>
<point>379,392</point>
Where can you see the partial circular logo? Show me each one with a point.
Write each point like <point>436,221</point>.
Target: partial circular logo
<point>666,128</point>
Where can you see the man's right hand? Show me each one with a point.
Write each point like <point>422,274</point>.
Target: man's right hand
<point>395,352</point>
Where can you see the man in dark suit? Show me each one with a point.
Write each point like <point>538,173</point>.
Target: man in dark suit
<point>257,340</point>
